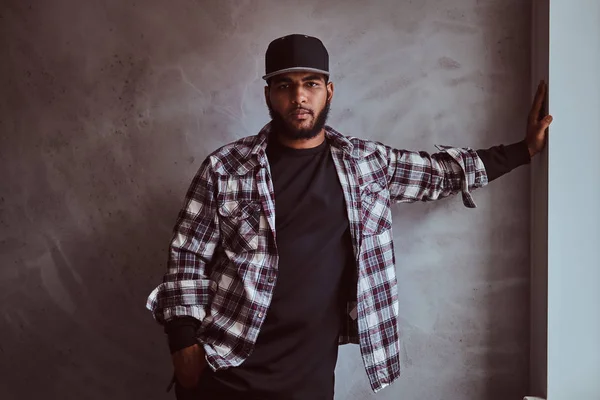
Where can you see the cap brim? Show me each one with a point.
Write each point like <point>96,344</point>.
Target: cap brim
<point>295,69</point>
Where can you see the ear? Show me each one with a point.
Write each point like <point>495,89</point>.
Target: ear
<point>329,91</point>
<point>267,91</point>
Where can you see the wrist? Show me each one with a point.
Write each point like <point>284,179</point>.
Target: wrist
<point>532,152</point>
<point>530,149</point>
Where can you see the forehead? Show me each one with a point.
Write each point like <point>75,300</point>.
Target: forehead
<point>297,76</point>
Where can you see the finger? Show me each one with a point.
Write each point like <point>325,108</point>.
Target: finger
<point>545,122</point>
<point>189,375</point>
<point>537,103</point>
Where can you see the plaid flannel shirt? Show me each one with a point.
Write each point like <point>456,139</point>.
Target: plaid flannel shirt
<point>222,265</point>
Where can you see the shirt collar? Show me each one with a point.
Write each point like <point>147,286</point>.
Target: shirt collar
<point>335,138</point>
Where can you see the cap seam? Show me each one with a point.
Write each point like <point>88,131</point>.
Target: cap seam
<point>282,71</point>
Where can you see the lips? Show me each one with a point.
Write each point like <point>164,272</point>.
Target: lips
<point>300,112</point>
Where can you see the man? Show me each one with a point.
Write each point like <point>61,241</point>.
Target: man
<point>284,247</point>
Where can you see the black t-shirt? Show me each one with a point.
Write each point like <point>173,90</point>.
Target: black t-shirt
<point>297,347</point>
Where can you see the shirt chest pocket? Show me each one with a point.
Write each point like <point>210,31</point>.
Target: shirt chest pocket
<point>240,223</point>
<point>376,216</point>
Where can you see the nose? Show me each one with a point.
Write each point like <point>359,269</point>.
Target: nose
<point>298,95</point>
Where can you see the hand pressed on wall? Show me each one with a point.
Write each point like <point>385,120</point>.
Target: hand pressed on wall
<point>189,363</point>
<point>537,123</point>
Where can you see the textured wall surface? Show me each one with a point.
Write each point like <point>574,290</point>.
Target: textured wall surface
<point>109,107</point>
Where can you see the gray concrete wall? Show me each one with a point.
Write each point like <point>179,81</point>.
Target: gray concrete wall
<point>108,108</point>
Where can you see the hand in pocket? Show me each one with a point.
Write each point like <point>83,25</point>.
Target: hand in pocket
<point>189,364</point>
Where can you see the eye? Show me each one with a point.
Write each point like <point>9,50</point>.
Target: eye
<point>283,86</point>
<point>313,84</point>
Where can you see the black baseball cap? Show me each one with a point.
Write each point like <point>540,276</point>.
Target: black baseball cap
<point>296,53</point>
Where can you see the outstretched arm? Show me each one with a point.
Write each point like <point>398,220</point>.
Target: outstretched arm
<point>420,176</point>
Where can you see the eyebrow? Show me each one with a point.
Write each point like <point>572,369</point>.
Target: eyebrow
<point>305,79</point>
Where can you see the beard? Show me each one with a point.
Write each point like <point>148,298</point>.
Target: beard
<point>282,127</point>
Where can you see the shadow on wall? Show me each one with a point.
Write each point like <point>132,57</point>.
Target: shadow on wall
<point>506,295</point>
<point>74,316</point>
<point>91,215</point>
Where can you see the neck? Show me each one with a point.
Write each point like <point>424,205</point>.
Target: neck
<point>302,143</point>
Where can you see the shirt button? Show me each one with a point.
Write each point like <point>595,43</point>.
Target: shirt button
<point>271,280</point>
<point>260,315</point>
